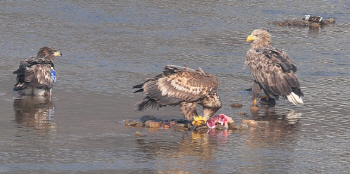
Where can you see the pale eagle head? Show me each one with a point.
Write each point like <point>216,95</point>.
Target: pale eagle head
<point>49,52</point>
<point>260,38</point>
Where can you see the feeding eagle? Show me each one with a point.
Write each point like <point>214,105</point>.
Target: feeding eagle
<point>181,86</point>
<point>36,75</point>
<point>272,69</point>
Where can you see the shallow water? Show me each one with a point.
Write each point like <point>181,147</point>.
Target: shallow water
<point>108,47</point>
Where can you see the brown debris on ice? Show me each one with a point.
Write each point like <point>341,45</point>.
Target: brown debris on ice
<point>217,122</point>
<point>307,21</point>
<point>236,105</point>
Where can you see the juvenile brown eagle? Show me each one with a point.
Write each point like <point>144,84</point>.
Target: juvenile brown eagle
<point>181,86</point>
<point>272,69</point>
<point>36,75</point>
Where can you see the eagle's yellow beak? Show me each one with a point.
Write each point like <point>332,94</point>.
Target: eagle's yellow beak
<point>57,54</point>
<point>250,38</point>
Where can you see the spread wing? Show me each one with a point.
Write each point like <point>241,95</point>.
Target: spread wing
<point>273,70</point>
<point>178,84</point>
<point>35,72</point>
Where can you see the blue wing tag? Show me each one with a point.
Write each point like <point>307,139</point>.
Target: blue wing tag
<point>53,75</point>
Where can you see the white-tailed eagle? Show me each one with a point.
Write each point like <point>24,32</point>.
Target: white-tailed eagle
<point>272,69</point>
<point>36,75</point>
<point>181,86</point>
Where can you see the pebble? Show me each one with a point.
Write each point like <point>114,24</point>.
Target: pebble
<point>254,108</point>
<point>238,126</point>
<point>152,124</point>
<point>138,134</point>
<point>135,123</point>
<point>315,25</point>
<point>251,123</point>
<point>236,105</point>
<point>166,126</point>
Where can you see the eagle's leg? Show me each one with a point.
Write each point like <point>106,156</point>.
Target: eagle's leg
<point>189,110</point>
<point>265,96</point>
<point>267,100</point>
<point>255,93</point>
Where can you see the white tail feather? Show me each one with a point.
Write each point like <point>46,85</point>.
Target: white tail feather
<point>295,99</point>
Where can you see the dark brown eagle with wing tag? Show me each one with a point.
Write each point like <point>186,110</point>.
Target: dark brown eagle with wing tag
<point>272,69</point>
<point>181,86</point>
<point>36,75</point>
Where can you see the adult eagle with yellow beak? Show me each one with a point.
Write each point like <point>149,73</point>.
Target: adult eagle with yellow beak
<point>272,69</point>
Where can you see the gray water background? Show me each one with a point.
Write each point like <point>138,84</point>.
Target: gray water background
<point>110,46</point>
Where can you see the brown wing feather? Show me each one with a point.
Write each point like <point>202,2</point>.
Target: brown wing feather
<point>189,86</point>
<point>178,84</point>
<point>39,76</point>
<point>273,70</point>
<point>181,86</point>
<point>34,72</point>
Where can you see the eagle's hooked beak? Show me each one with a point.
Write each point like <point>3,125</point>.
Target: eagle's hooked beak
<point>250,38</point>
<point>57,54</point>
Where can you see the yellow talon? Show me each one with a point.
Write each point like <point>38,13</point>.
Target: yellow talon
<point>198,120</point>
<point>254,101</point>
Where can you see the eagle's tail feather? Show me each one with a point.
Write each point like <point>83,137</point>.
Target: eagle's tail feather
<point>138,86</point>
<point>146,103</point>
<point>294,98</point>
<point>19,86</point>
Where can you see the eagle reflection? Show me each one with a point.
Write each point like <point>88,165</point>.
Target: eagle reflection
<point>182,149</point>
<point>35,112</point>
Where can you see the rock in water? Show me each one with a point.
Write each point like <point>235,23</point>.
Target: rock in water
<point>166,125</point>
<point>251,123</point>
<point>135,123</point>
<point>315,25</point>
<point>236,105</point>
<point>138,134</point>
<point>254,109</point>
<point>238,126</point>
<point>152,124</point>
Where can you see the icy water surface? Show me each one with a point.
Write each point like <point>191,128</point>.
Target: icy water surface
<point>110,46</point>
